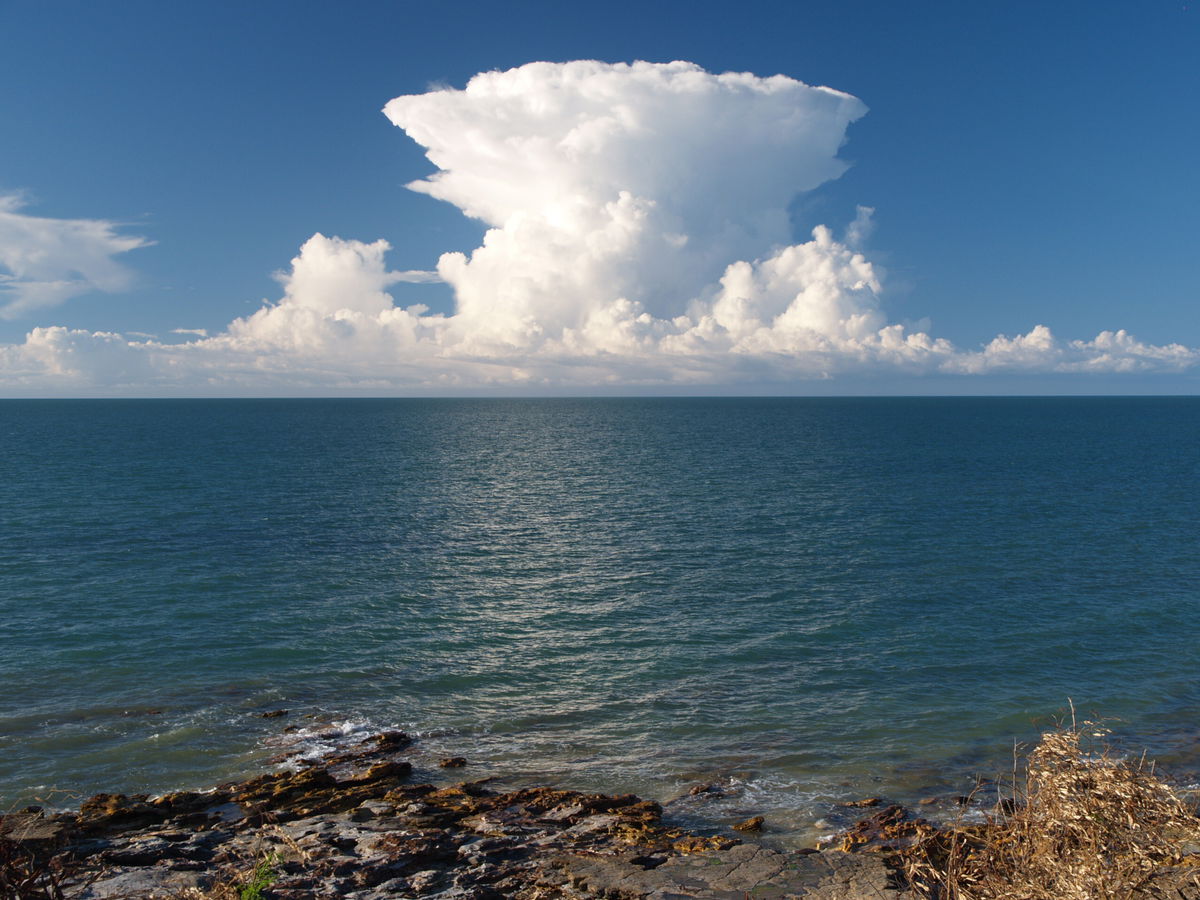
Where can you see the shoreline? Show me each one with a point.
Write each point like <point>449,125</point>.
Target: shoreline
<point>358,824</point>
<point>799,812</point>
<point>363,822</point>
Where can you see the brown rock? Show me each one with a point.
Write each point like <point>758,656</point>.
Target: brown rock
<point>105,811</point>
<point>389,741</point>
<point>752,824</point>
<point>273,714</point>
<point>386,771</point>
<point>452,762</point>
<point>103,804</point>
<point>863,804</point>
<point>695,844</point>
<point>286,789</point>
<point>889,829</point>
<point>186,802</point>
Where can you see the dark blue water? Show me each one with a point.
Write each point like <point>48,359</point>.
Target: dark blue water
<point>807,600</point>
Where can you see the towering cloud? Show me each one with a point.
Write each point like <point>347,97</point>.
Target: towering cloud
<point>615,184</point>
<point>51,260</point>
<point>637,234</point>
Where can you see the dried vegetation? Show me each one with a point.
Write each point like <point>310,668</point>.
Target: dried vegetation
<point>1081,823</point>
<point>24,876</point>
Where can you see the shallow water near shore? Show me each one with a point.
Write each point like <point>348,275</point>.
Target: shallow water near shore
<point>803,602</point>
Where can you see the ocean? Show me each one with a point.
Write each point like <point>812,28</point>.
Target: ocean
<point>802,601</point>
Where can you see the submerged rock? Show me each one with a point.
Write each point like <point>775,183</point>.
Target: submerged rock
<point>752,824</point>
<point>864,803</point>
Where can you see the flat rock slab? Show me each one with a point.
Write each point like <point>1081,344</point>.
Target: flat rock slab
<point>30,828</point>
<point>737,873</point>
<point>147,882</point>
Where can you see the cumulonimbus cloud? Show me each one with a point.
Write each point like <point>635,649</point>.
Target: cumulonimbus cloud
<point>637,234</point>
<point>45,261</point>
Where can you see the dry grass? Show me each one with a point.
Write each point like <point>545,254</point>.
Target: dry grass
<point>1082,824</point>
<point>24,877</point>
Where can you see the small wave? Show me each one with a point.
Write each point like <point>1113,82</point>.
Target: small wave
<point>320,740</point>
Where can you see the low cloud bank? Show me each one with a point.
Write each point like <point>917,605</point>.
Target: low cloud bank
<point>637,235</point>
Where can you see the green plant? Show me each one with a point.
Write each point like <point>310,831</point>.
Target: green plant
<point>263,876</point>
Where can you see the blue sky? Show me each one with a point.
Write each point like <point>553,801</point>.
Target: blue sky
<point>1028,164</point>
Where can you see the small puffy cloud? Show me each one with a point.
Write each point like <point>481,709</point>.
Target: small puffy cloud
<point>44,262</point>
<point>1110,352</point>
<point>332,275</point>
<point>858,231</point>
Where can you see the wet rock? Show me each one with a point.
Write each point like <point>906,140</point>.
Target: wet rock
<point>391,741</point>
<point>865,803</point>
<point>110,811</point>
<point>452,762</point>
<point>283,791</point>
<point>892,828</point>
<point>273,714</point>
<point>692,843</point>
<point>385,771</point>
<point>752,824</point>
<point>185,804</point>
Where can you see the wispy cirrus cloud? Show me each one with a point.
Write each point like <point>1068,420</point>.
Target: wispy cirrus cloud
<point>45,261</point>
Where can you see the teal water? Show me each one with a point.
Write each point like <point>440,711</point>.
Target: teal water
<point>805,600</point>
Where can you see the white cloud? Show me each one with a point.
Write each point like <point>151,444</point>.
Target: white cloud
<point>1040,351</point>
<point>44,262</point>
<point>637,236</point>
<point>860,229</point>
<point>58,358</point>
<point>606,182</point>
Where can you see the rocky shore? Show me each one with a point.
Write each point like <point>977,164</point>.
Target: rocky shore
<point>357,825</point>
